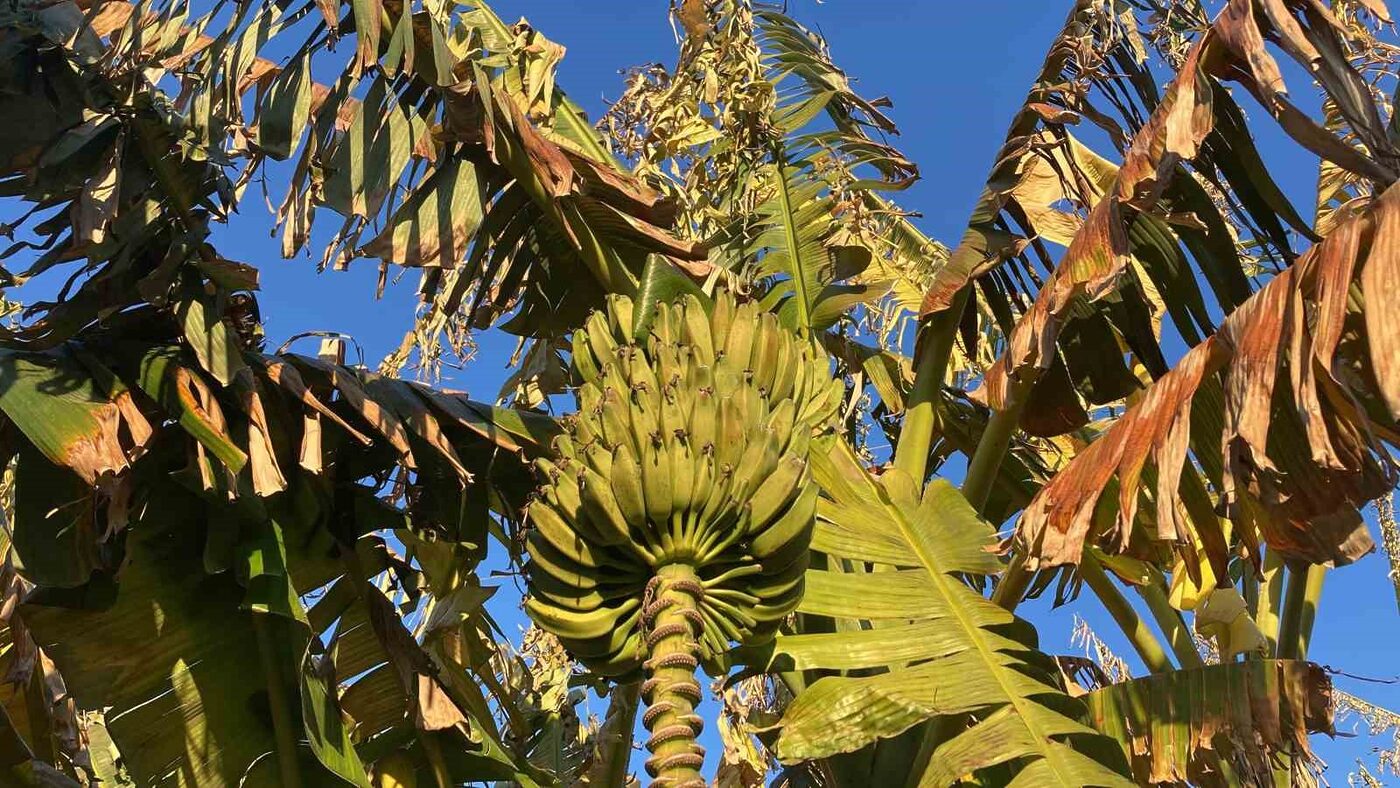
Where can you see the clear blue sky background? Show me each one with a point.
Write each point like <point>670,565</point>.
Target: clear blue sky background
<point>956,73</point>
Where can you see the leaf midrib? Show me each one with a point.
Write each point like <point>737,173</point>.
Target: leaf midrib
<point>940,578</point>
<point>790,236</point>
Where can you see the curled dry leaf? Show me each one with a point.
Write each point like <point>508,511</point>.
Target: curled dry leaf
<point>60,408</point>
<point>432,709</point>
<point>1178,726</point>
<point>1232,49</point>
<point>1098,253</point>
<point>1304,448</point>
<point>1082,44</point>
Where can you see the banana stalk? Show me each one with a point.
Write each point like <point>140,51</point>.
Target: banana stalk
<point>930,369</point>
<point>1300,609</point>
<point>1270,602</point>
<point>671,691</point>
<point>1144,642</point>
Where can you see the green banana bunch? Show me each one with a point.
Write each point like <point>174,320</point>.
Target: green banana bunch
<point>691,449</point>
<point>675,517</point>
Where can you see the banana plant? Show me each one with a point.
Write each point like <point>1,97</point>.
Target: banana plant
<point>181,493</point>
<point>676,512</point>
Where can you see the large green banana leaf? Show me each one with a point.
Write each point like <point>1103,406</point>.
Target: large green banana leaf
<point>932,647</point>
<point>169,659</point>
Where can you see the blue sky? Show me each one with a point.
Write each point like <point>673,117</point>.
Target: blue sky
<point>956,73</point>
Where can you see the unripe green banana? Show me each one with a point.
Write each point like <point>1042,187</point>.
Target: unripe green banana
<point>760,458</point>
<point>824,403</point>
<point>782,420</point>
<point>585,362</point>
<point>739,345</point>
<point>601,342</point>
<point>646,420</point>
<point>674,424</point>
<point>730,617</point>
<point>620,317</point>
<point>623,660</point>
<point>732,433</point>
<point>600,508</point>
<point>720,511</point>
<point>720,575</point>
<point>546,558</point>
<point>570,597</point>
<point>697,332</point>
<point>791,369</point>
<point>597,623</point>
<point>643,381</point>
<point>663,326</point>
<point>776,581</point>
<point>572,542</point>
<point>585,430</point>
<point>775,492</point>
<point>627,488</point>
<point>721,317</point>
<point>702,478</point>
<point>590,399</point>
<point>671,361</point>
<point>598,458</point>
<point>657,483</point>
<point>607,644</point>
<point>562,493</point>
<point>767,344</point>
<point>750,409</point>
<point>777,605</point>
<point>787,526</point>
<point>682,473</point>
<point>614,416</point>
<point>703,421</point>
